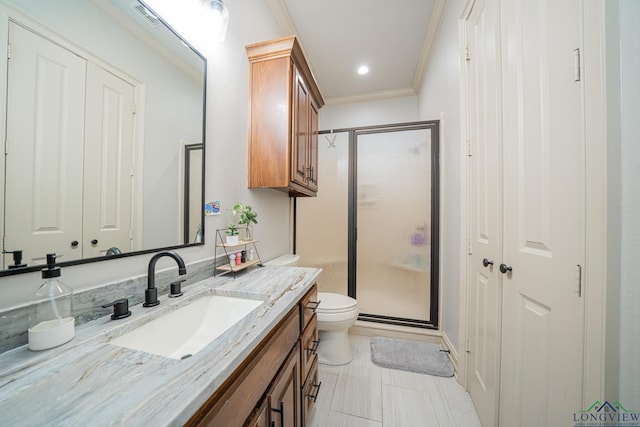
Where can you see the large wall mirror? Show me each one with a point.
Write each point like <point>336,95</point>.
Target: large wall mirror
<point>103,105</point>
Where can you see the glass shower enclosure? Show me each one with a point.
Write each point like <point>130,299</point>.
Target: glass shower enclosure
<point>374,226</point>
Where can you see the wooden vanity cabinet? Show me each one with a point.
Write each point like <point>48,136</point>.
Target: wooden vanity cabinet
<point>273,384</point>
<point>284,100</point>
<point>235,401</point>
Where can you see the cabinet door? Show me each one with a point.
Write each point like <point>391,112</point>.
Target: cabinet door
<point>300,154</point>
<point>312,138</point>
<point>284,395</point>
<point>260,417</point>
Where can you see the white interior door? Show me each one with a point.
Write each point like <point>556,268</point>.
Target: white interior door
<point>485,180</point>
<point>108,161</point>
<point>542,328</point>
<point>45,130</point>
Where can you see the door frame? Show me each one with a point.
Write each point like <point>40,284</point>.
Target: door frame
<point>434,281</point>
<point>593,62</point>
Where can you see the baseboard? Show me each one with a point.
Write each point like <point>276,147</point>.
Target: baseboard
<point>372,329</point>
<point>453,355</point>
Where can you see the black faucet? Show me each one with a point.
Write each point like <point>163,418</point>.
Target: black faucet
<point>151,293</point>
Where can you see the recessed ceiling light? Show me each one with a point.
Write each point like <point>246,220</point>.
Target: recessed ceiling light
<point>363,70</point>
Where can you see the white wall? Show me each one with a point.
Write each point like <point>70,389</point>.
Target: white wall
<point>630,218</point>
<point>379,112</point>
<point>226,163</point>
<point>440,94</point>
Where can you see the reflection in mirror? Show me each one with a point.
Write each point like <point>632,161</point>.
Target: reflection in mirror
<point>100,96</point>
<point>193,232</point>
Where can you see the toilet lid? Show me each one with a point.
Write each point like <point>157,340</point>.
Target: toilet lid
<point>335,302</point>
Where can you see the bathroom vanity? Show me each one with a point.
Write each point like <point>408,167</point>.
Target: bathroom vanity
<point>266,389</point>
<point>262,368</point>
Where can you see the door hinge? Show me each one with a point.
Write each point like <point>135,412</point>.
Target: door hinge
<point>469,251</point>
<point>467,345</point>
<point>467,53</point>
<point>133,109</point>
<point>468,147</point>
<point>8,50</point>
<point>131,234</point>
<point>6,146</point>
<point>576,65</point>
<point>579,279</point>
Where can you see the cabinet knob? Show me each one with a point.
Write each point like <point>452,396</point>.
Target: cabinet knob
<point>74,244</point>
<point>505,268</point>
<point>94,242</point>
<point>486,262</point>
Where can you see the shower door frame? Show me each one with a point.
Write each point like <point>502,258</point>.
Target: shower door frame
<point>434,127</point>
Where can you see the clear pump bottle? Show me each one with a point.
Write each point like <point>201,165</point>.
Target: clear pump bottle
<point>51,323</point>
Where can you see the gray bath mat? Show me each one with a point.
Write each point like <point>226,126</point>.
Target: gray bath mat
<point>413,356</point>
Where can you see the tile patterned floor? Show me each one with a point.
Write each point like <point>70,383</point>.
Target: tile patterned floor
<point>361,394</point>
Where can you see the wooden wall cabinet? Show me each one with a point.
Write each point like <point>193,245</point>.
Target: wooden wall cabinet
<point>284,100</point>
<point>266,389</point>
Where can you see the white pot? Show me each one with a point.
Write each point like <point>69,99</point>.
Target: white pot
<point>232,240</point>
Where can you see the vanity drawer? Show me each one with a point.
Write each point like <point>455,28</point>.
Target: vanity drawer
<point>309,341</point>
<point>310,391</point>
<point>308,306</point>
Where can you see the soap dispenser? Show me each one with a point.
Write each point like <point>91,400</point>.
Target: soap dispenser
<point>51,323</point>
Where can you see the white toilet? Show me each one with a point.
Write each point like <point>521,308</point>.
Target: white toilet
<point>336,314</point>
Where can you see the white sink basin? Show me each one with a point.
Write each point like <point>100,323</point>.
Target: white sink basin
<point>187,330</point>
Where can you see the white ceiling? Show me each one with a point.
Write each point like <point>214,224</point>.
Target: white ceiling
<point>393,38</point>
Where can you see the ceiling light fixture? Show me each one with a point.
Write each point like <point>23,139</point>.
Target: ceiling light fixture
<point>220,16</point>
<point>363,70</point>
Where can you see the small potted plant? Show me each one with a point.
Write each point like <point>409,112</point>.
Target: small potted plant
<point>247,217</point>
<point>232,234</point>
<point>199,234</point>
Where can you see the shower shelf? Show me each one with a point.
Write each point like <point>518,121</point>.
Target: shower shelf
<point>411,267</point>
<point>226,267</point>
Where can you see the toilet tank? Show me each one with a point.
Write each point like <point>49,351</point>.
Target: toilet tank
<point>290,260</point>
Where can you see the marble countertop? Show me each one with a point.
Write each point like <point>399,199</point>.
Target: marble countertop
<point>91,382</point>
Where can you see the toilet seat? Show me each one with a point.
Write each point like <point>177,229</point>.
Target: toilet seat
<point>335,303</point>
